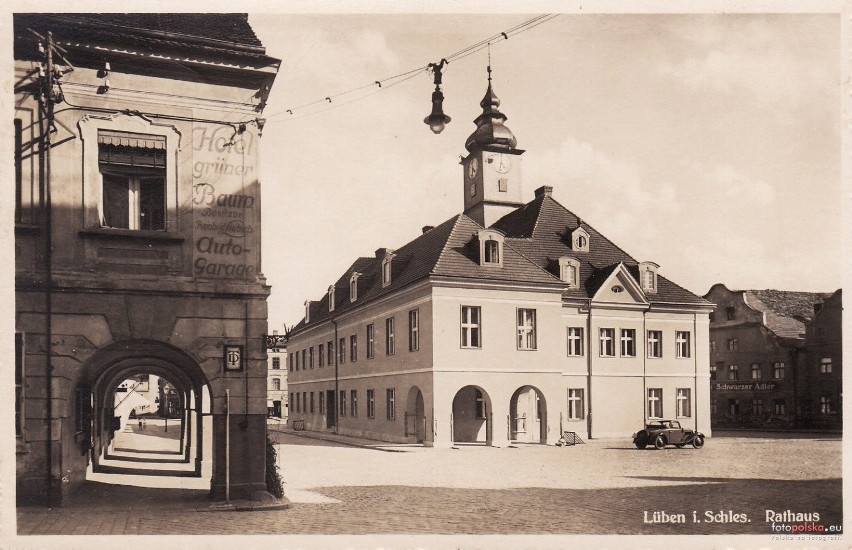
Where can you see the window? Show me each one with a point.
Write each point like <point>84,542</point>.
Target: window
<point>575,341</point>
<point>470,316</point>
<point>579,239</point>
<point>648,277</point>
<point>330,352</point>
<point>734,407</point>
<point>733,372</point>
<point>684,402</point>
<point>569,271</point>
<point>778,371</point>
<point>391,407</point>
<point>312,402</point>
<point>655,402</point>
<point>304,356</point>
<point>386,270</point>
<point>714,406</point>
<point>304,401</point>
<point>825,405</point>
<point>825,365</point>
<point>371,344</point>
<point>341,351</point>
<point>276,362</point>
<point>342,404</point>
<point>371,403</point>
<point>713,369</point>
<point>779,406</point>
<point>311,357</point>
<point>353,348</point>
<point>276,384</point>
<point>322,402</point>
<point>353,286</point>
<point>331,298</point>
<point>682,344</point>
<point>575,404</point>
<point>757,407</point>
<point>19,383</point>
<point>628,342</point>
<point>503,185</point>
<point>492,252</point>
<point>414,330</point>
<point>321,354</point>
<point>526,329</point>
<point>307,311</point>
<point>655,343</point>
<point>134,180</point>
<point>297,360</point>
<point>480,405</point>
<point>353,402</point>
<point>295,405</point>
<point>713,346</point>
<point>733,345</point>
<point>730,313</point>
<point>607,339</point>
<point>756,374</point>
<point>290,361</point>
<point>389,344</point>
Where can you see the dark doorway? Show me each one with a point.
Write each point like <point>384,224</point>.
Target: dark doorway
<point>330,410</point>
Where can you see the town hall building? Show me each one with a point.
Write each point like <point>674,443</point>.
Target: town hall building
<point>512,322</point>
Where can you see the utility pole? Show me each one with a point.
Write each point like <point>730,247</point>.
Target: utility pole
<point>47,100</point>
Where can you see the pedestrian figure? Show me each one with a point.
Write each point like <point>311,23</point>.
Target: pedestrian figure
<point>140,424</point>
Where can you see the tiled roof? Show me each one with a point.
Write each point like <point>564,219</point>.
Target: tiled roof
<point>785,311</point>
<point>534,241</point>
<point>208,35</point>
<point>540,229</point>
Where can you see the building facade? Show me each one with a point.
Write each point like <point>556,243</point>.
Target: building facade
<point>510,322</point>
<point>137,237</point>
<point>765,359</point>
<point>276,390</point>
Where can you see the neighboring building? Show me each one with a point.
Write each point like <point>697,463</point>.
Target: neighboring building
<point>276,374</point>
<point>509,322</point>
<point>822,388</point>
<point>761,371</point>
<point>137,237</point>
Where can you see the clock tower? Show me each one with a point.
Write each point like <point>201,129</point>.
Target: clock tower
<point>492,168</point>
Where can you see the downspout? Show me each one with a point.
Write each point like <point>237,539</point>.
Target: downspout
<point>695,364</point>
<point>589,370</point>
<point>336,381</point>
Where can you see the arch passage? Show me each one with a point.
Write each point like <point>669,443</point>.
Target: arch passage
<point>415,416</point>
<point>472,418</point>
<point>528,416</point>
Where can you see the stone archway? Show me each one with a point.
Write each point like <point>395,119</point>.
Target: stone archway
<point>415,417</point>
<point>472,420</point>
<point>528,416</point>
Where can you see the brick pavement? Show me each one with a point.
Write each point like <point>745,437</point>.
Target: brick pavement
<point>603,487</point>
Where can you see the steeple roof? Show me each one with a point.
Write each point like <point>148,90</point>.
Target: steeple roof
<point>490,131</point>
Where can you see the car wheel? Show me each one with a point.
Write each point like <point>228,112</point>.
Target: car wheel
<point>640,444</point>
<point>698,442</point>
<point>660,442</point>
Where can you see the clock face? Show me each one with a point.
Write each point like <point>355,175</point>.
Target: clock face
<point>473,168</point>
<point>504,164</point>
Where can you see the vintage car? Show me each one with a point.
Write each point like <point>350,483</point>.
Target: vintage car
<point>660,433</point>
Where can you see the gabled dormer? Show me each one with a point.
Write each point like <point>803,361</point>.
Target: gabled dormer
<point>307,311</point>
<point>353,286</point>
<point>386,255</point>
<point>648,277</point>
<point>618,286</point>
<point>331,298</point>
<point>578,238</point>
<point>490,247</point>
<point>569,271</point>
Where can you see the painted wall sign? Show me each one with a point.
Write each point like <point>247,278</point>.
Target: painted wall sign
<point>225,204</point>
<point>744,386</point>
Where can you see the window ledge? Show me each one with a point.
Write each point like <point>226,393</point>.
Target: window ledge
<point>27,228</point>
<point>132,234</point>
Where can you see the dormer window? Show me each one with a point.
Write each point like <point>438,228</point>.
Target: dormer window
<point>580,240</point>
<point>353,286</point>
<point>331,298</point>
<point>386,271</point>
<point>569,271</point>
<point>648,277</point>
<point>490,247</point>
<point>307,311</point>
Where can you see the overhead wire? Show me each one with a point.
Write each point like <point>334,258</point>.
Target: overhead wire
<point>388,82</point>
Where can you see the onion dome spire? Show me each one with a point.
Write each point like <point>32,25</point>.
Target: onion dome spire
<point>490,131</point>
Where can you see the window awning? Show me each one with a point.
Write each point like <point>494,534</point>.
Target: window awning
<point>130,139</point>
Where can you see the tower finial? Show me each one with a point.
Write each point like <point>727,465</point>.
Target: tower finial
<point>489,62</point>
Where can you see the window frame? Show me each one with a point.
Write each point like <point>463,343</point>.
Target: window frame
<point>684,402</point>
<point>576,404</point>
<point>606,340</point>
<point>733,372</point>
<point>371,341</point>
<point>779,369</point>
<point>390,343</point>
<point>371,403</point>
<point>390,403</point>
<point>470,329</point>
<point>825,365</point>
<point>655,344</point>
<point>527,337</point>
<point>628,337</point>
<point>353,348</point>
<point>353,403</point>
<point>578,340</point>
<point>414,330</point>
<point>655,401</point>
<point>683,344</point>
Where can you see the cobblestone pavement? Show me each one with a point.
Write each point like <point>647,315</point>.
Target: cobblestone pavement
<point>603,487</point>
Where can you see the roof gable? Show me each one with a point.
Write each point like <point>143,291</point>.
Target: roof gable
<point>619,287</point>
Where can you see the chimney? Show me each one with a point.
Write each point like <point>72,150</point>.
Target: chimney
<point>428,228</point>
<point>543,191</point>
<point>382,252</point>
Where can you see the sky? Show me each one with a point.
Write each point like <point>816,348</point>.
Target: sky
<point>709,144</point>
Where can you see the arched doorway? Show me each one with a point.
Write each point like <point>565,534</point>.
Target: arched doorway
<point>528,416</point>
<point>472,418</point>
<point>166,436</point>
<point>415,417</point>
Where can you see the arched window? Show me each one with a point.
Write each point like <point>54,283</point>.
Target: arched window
<point>353,286</point>
<point>648,277</point>
<point>331,298</point>
<point>569,271</point>
<point>490,247</point>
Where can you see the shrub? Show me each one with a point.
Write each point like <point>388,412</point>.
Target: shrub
<point>274,482</point>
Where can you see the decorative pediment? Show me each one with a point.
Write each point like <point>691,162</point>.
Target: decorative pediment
<point>621,288</point>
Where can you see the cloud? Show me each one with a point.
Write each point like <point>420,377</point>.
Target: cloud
<point>741,189</point>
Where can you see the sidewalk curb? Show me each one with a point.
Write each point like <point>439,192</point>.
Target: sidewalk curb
<point>314,435</point>
<point>246,506</point>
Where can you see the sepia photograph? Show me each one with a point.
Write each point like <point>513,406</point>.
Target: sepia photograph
<point>425,277</point>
